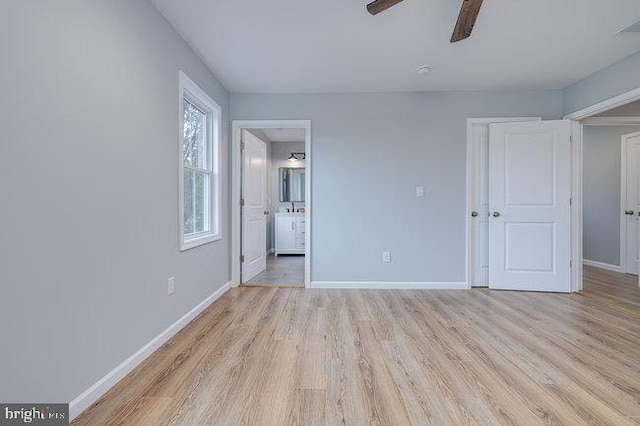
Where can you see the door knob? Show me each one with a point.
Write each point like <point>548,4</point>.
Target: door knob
<point>495,214</point>
<point>628,212</point>
<point>474,214</point>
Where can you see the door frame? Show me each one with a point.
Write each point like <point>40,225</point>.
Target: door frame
<point>578,118</point>
<point>609,122</point>
<point>471,188</point>
<point>236,179</point>
<point>624,232</point>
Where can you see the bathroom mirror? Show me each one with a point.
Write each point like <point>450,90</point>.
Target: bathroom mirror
<point>292,184</point>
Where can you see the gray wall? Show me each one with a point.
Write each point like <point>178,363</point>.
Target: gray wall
<point>88,179</point>
<point>369,152</point>
<point>611,81</point>
<point>601,180</point>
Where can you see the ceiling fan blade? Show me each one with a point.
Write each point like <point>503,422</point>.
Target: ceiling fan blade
<point>466,19</point>
<point>378,6</point>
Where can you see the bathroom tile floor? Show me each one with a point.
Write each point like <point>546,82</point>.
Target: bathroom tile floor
<point>284,270</point>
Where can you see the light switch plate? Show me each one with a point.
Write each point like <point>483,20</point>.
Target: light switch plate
<point>420,191</point>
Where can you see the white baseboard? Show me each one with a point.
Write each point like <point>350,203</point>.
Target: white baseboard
<point>91,395</point>
<point>602,265</point>
<point>390,285</point>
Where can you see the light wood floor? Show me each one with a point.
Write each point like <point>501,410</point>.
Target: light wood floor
<point>281,356</point>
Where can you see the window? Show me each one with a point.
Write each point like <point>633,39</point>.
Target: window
<point>199,189</point>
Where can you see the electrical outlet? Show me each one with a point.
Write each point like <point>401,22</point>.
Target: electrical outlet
<point>386,256</point>
<point>171,286</point>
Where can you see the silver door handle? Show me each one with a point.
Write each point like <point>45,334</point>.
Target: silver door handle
<point>495,214</point>
<point>629,212</point>
<point>474,214</point>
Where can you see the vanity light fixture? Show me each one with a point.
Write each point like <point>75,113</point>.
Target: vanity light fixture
<point>295,156</point>
<point>423,69</point>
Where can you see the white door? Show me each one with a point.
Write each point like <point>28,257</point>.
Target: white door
<point>529,206</point>
<point>478,152</point>
<point>631,200</point>
<point>254,211</point>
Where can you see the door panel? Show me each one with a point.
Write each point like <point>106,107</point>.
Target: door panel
<point>529,201</point>
<point>529,163</point>
<point>254,223</point>
<point>520,257</point>
<point>480,224</point>
<point>479,199</point>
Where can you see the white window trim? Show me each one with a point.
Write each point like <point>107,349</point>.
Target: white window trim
<point>197,96</point>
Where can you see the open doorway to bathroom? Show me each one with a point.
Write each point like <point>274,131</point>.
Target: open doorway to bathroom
<point>271,183</point>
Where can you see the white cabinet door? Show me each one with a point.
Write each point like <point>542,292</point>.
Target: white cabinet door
<point>529,206</point>
<point>300,232</point>
<point>254,223</point>
<point>285,233</point>
<point>631,158</point>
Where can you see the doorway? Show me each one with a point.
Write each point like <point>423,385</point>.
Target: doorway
<point>519,228</point>
<point>580,119</point>
<point>271,203</point>
<point>610,207</point>
<point>477,260</point>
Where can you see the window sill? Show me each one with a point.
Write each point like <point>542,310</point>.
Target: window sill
<point>198,240</point>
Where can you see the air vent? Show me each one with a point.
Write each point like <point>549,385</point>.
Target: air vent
<point>634,28</point>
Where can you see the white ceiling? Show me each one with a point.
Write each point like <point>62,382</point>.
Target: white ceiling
<point>290,46</point>
<point>284,135</point>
